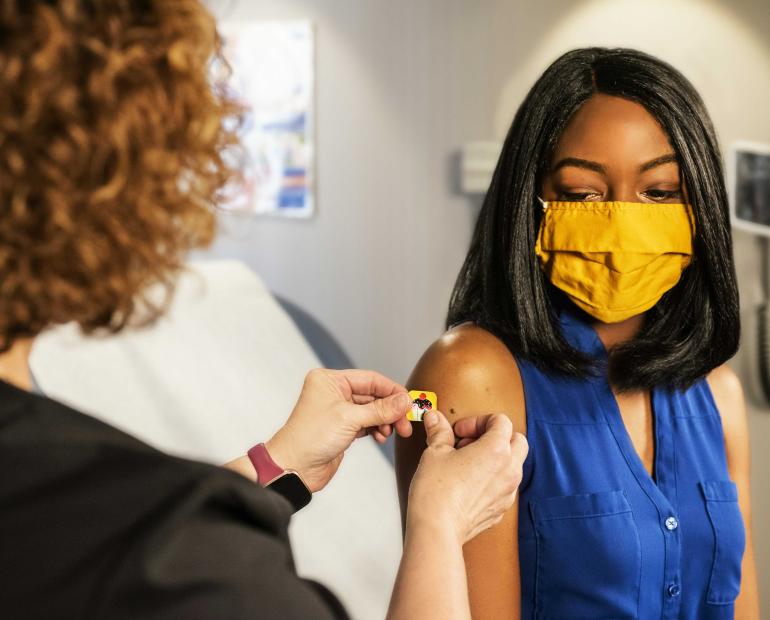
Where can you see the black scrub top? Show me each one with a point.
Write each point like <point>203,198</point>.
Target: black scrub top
<point>96,524</point>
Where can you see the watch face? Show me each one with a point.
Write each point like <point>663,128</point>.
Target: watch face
<point>290,485</point>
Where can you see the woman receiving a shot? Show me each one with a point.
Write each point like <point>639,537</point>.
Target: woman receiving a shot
<point>597,307</point>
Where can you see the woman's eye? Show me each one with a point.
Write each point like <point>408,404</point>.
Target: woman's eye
<point>661,194</point>
<point>577,196</point>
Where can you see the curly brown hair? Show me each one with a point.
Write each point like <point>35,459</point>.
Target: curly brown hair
<point>114,141</point>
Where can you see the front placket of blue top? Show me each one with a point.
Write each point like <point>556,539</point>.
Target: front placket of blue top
<point>663,494</point>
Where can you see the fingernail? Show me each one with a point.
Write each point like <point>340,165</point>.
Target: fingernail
<point>429,418</point>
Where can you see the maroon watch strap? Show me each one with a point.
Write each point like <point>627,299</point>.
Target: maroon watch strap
<point>267,469</point>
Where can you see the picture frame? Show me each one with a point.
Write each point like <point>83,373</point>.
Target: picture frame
<point>273,79</point>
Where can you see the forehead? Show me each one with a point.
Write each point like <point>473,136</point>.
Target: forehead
<point>613,130</point>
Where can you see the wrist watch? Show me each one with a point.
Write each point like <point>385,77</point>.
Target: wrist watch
<point>286,482</point>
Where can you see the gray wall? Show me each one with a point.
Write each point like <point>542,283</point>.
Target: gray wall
<point>401,85</point>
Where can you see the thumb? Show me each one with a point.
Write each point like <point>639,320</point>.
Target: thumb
<point>438,430</point>
<point>383,410</point>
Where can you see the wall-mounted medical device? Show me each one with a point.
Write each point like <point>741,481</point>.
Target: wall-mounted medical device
<point>748,177</point>
<point>477,164</point>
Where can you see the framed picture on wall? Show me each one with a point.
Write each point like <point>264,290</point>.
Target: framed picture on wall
<point>749,186</point>
<point>272,78</point>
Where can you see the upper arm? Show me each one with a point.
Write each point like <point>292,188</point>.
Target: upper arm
<point>473,373</point>
<point>728,396</point>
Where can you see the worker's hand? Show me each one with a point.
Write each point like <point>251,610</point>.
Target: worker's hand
<point>470,488</point>
<point>334,408</point>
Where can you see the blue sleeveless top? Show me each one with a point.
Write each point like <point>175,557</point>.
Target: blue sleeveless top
<point>598,536</point>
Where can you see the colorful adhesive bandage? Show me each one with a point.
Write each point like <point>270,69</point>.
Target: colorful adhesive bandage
<point>422,401</point>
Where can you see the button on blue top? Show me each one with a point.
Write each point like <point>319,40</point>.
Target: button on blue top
<point>599,537</point>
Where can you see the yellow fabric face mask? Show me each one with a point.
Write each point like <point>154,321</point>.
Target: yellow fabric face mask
<point>615,259</point>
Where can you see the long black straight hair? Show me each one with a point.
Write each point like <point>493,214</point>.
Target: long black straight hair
<point>695,326</point>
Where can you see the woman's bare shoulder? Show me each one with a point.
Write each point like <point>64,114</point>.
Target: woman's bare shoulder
<point>469,350</point>
<point>728,396</point>
<point>725,384</point>
<point>472,372</point>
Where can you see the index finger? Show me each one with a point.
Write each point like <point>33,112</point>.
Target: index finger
<point>358,383</point>
<point>473,427</point>
<point>495,424</point>
<point>499,424</point>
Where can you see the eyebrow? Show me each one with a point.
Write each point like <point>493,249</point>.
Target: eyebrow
<point>600,168</point>
<point>580,163</point>
<point>658,161</point>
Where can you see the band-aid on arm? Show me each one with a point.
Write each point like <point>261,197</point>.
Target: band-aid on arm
<point>422,401</point>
